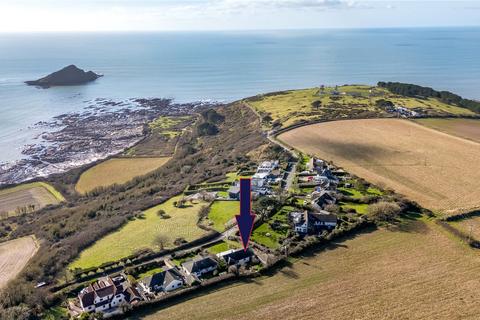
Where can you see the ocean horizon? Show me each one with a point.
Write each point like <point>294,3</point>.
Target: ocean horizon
<point>220,66</point>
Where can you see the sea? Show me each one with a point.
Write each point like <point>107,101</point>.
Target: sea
<point>220,66</point>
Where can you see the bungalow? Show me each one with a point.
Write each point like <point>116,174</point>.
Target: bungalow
<point>238,257</point>
<point>313,222</point>
<point>107,293</point>
<point>166,281</point>
<point>199,267</point>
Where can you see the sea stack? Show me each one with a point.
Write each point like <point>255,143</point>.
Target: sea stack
<point>68,76</point>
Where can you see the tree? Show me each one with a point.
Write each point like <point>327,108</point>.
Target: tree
<point>316,104</point>
<point>203,212</point>
<point>161,241</point>
<point>384,211</point>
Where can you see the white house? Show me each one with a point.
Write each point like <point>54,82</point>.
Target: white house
<point>199,267</point>
<point>238,257</point>
<point>107,293</point>
<point>166,281</point>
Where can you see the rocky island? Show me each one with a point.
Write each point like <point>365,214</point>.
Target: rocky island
<point>68,76</point>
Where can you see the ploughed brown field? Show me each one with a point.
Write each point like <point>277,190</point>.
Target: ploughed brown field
<point>14,255</point>
<point>439,171</point>
<point>38,194</point>
<point>416,271</point>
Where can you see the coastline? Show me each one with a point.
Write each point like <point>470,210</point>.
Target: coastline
<point>103,129</point>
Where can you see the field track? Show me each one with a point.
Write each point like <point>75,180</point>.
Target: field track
<point>38,194</point>
<point>14,255</point>
<point>437,170</point>
<point>416,271</point>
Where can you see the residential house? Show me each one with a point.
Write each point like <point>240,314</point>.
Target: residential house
<point>107,293</point>
<point>199,267</point>
<point>310,223</point>
<point>165,281</point>
<point>322,199</point>
<point>238,257</point>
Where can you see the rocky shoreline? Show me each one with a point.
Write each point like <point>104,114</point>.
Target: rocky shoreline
<point>104,128</point>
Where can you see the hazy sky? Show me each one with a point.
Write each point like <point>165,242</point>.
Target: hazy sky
<point>123,15</point>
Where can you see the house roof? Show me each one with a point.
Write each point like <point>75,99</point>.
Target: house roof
<point>234,256</point>
<point>198,265</point>
<point>162,279</point>
<point>234,189</point>
<point>323,216</point>
<point>87,298</point>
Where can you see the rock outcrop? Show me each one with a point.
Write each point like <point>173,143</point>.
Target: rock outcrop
<point>67,76</point>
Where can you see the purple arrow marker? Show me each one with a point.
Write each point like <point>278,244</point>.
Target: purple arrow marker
<point>245,219</point>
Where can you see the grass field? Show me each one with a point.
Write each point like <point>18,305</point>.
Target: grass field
<point>141,233</point>
<point>221,212</point>
<point>463,128</point>
<point>435,169</point>
<point>38,194</point>
<point>223,246</point>
<point>118,170</point>
<point>414,272</point>
<point>290,107</point>
<point>268,237</point>
<point>14,255</point>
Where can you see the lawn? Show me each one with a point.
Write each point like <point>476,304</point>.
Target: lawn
<point>360,208</point>
<point>221,212</point>
<point>149,273</point>
<point>141,233</point>
<point>117,171</point>
<point>265,235</point>
<point>223,246</point>
<point>38,194</point>
<point>416,272</point>
<point>56,313</point>
<point>357,194</point>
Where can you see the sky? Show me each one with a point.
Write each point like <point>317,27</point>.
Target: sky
<point>170,15</point>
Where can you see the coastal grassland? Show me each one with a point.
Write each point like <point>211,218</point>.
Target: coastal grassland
<point>14,255</point>
<point>222,212</point>
<point>117,171</point>
<point>142,232</point>
<point>385,274</point>
<point>295,106</point>
<point>38,194</point>
<point>437,170</point>
<point>463,128</point>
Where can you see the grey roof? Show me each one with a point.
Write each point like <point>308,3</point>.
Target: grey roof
<point>200,264</point>
<point>162,279</point>
<point>235,256</point>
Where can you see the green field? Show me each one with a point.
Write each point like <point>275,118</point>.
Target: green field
<point>290,107</point>
<point>149,273</point>
<point>117,171</point>
<point>357,194</point>
<point>38,194</point>
<point>221,212</point>
<point>141,233</point>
